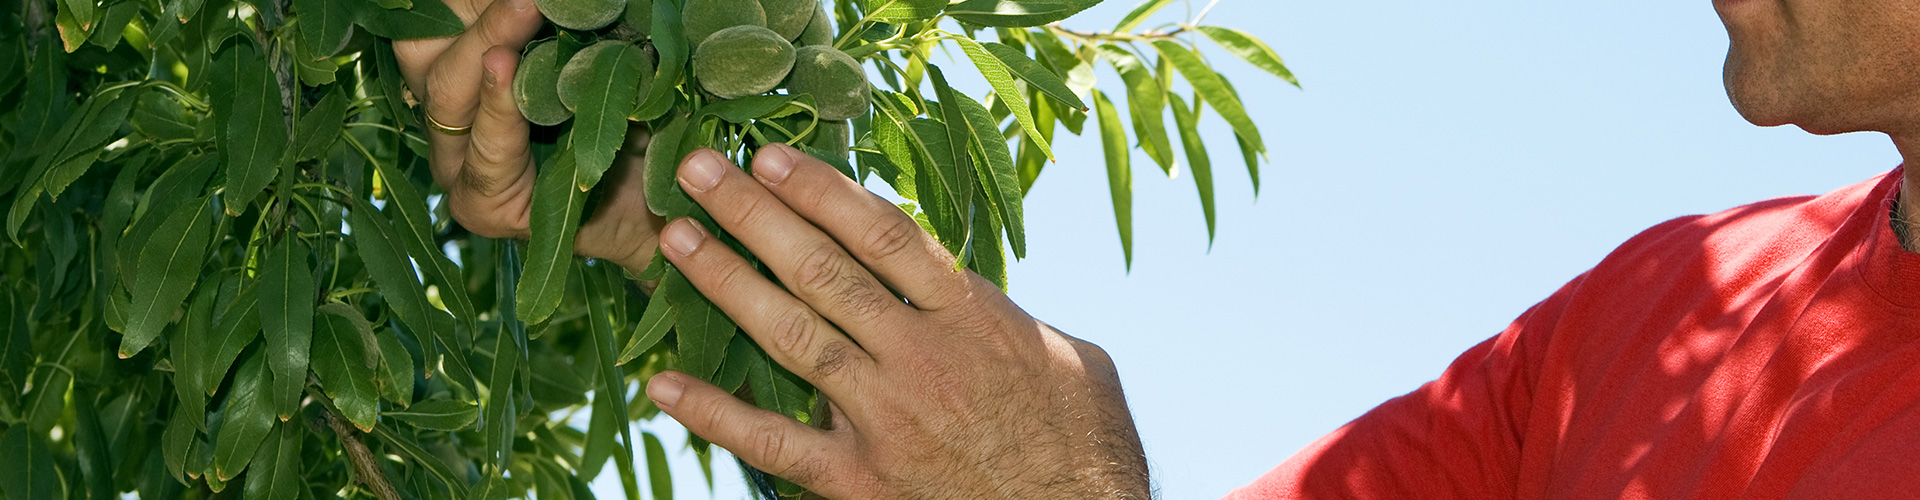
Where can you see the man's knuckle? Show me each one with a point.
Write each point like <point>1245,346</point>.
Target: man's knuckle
<point>833,360</point>
<point>818,271</point>
<point>770,442</point>
<point>891,236</point>
<point>794,331</point>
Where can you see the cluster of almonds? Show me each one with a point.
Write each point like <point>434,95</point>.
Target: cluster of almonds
<point>741,48</point>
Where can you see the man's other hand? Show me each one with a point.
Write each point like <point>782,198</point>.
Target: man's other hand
<point>467,81</point>
<point>954,392</point>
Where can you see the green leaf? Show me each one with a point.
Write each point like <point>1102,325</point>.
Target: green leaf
<point>600,122</point>
<point>104,114</point>
<point>671,51</point>
<point>48,399</point>
<point>236,328</point>
<point>1113,138</point>
<point>1251,50</point>
<point>324,24</point>
<point>902,11</point>
<point>653,326</point>
<point>427,19</point>
<point>989,259</point>
<point>320,127</point>
<point>1188,120</point>
<point>161,118</point>
<point>277,467</point>
<point>438,414</point>
<point>613,385</point>
<point>248,418</point>
<point>286,315</point>
<point>386,260</point>
<point>657,473</point>
<point>777,389</point>
<point>414,227</point>
<point>177,440</point>
<point>1034,74</point>
<point>252,125</point>
<point>434,464</point>
<point>1147,100</point>
<point>1251,154</point>
<point>948,186</point>
<point>746,109</point>
<point>169,264</point>
<point>999,182</point>
<point>340,360</point>
<point>555,221</point>
<point>29,470</point>
<point>1140,14</point>
<point>398,368</point>
<point>664,152</point>
<point>704,331</point>
<point>1213,89</point>
<point>499,416</point>
<point>1016,13</point>
<point>1000,77</point>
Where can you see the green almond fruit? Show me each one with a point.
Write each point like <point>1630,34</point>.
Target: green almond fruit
<point>789,17</point>
<point>581,15</point>
<point>576,78</point>
<point>834,79</point>
<point>536,86</point>
<point>640,16</point>
<point>703,18</point>
<point>819,29</point>
<point>743,61</point>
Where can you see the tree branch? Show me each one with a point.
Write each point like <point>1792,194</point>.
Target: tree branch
<point>364,465</point>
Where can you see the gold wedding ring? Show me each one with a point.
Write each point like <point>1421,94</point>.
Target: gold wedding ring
<point>443,128</point>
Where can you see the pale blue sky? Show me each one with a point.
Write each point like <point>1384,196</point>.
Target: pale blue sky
<point>1448,165</point>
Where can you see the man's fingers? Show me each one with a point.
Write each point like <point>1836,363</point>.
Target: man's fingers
<point>784,447</point>
<point>495,170</point>
<point>876,232</point>
<point>450,82</point>
<point>811,264</point>
<point>791,332</point>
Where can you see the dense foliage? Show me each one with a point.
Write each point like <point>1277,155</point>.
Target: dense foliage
<point>229,274</point>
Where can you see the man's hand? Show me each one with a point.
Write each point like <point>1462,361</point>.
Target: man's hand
<point>953,393</point>
<point>467,80</point>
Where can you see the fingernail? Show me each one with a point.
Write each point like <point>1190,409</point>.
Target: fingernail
<point>683,236</point>
<point>490,79</point>
<point>773,164</point>
<point>701,172</point>
<point>664,390</point>
<point>520,5</point>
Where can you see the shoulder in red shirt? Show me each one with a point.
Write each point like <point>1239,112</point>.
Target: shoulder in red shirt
<point>1764,352</point>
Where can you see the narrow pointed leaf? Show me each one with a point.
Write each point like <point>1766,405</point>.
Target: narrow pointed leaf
<point>177,440</point>
<point>902,11</point>
<point>438,414</point>
<point>413,225</point>
<point>654,324</point>
<point>236,328</point>
<point>953,178</point>
<point>1016,13</point>
<point>169,265</point>
<point>657,473</point>
<point>600,123</point>
<point>1001,78</point>
<point>1034,74</point>
<point>340,362</point>
<point>1213,89</point>
<point>1147,102</point>
<point>1140,14</point>
<point>556,219</point>
<point>999,181</point>
<point>1113,138</point>
<point>427,19</point>
<point>704,331</point>
<point>500,412</point>
<point>249,418</point>
<point>397,366</point>
<point>1188,121</point>
<point>324,24</point>
<point>252,124</point>
<point>1251,50</point>
<point>320,127</point>
<point>386,259</point>
<point>286,317</point>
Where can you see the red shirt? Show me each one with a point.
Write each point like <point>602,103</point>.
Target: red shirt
<point>1768,351</point>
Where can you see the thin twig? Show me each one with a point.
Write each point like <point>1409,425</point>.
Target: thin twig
<point>362,460</point>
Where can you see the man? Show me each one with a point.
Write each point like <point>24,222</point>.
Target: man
<point>1770,351</point>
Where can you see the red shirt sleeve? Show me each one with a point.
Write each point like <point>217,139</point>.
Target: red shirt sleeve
<point>1455,437</point>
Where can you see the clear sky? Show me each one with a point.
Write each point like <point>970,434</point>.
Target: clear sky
<point>1448,165</point>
